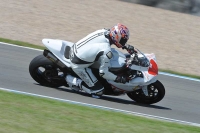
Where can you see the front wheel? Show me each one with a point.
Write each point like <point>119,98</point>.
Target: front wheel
<point>156,93</point>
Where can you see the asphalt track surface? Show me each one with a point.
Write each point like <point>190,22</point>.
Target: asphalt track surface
<point>181,102</point>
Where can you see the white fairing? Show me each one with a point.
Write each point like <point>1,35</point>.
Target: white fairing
<point>119,60</point>
<point>149,77</point>
<point>57,47</point>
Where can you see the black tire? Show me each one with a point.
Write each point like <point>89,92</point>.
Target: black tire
<point>49,70</point>
<point>156,92</point>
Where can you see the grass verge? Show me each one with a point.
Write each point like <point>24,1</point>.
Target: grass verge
<point>20,43</point>
<point>22,113</point>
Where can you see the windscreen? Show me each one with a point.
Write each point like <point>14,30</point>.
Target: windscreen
<point>142,59</point>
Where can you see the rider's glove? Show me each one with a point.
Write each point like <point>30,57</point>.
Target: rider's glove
<point>121,79</point>
<point>131,49</point>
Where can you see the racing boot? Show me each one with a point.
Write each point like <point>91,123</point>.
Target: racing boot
<point>96,91</point>
<point>90,83</point>
<point>73,82</point>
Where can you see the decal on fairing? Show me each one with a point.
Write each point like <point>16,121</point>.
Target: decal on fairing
<point>116,89</point>
<point>153,68</point>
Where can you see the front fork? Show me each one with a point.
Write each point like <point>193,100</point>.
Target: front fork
<point>145,90</point>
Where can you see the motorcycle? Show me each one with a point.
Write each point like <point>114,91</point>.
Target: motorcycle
<point>51,68</point>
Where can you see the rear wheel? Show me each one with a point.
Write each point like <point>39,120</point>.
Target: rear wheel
<point>156,93</point>
<point>43,71</point>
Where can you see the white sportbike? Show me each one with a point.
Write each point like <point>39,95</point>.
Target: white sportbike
<point>51,68</point>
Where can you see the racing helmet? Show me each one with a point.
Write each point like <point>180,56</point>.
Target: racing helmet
<point>119,35</point>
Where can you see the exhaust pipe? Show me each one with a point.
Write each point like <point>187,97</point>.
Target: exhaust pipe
<point>53,58</point>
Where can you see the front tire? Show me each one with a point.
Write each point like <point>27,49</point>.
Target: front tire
<point>156,92</point>
<point>44,71</point>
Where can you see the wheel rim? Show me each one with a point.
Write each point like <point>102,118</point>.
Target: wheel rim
<point>48,73</point>
<point>153,94</point>
<point>153,91</point>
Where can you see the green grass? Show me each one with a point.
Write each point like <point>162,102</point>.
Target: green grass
<point>21,114</point>
<point>20,43</point>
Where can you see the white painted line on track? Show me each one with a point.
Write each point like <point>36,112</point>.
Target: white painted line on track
<point>103,107</point>
<point>177,76</point>
<point>162,73</point>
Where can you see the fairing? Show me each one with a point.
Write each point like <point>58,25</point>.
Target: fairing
<point>57,47</point>
<point>149,71</point>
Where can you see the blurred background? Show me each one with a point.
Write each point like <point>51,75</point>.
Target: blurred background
<point>184,6</point>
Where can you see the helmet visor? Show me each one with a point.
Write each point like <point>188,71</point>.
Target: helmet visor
<point>123,41</point>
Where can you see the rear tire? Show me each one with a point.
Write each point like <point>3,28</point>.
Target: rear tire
<point>156,92</point>
<point>42,70</point>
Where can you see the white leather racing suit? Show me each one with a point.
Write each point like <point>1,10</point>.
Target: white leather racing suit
<point>85,52</point>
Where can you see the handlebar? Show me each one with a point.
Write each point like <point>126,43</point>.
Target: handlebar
<point>133,60</point>
<point>127,48</point>
<point>137,58</point>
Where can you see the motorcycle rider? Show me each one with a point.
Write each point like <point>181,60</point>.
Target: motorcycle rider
<point>93,47</point>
